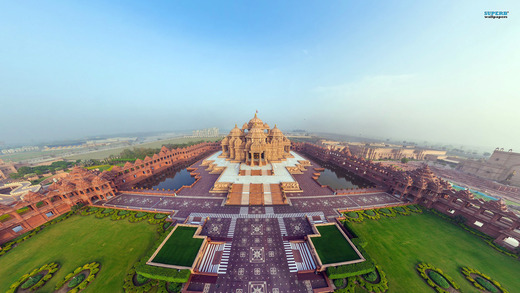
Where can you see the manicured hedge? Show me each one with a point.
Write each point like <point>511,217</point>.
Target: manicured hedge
<point>438,279</point>
<point>354,216</point>
<point>367,281</point>
<point>467,272</point>
<point>103,213</point>
<point>37,282</point>
<point>350,286</point>
<point>93,269</point>
<point>371,214</point>
<point>138,217</point>
<point>351,270</point>
<point>129,285</point>
<point>387,212</point>
<point>424,270</point>
<point>165,274</point>
<point>339,283</point>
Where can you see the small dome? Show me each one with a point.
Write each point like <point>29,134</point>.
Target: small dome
<point>276,132</point>
<point>235,131</point>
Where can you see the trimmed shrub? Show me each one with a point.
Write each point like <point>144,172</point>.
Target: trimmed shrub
<point>350,286</point>
<point>367,281</point>
<point>31,281</point>
<point>354,269</point>
<point>427,272</point>
<point>438,279</point>
<point>140,279</point>
<point>353,216</point>
<point>339,283</point>
<point>371,277</point>
<point>165,274</point>
<point>371,214</point>
<point>481,281</point>
<point>387,212</point>
<point>486,284</point>
<point>137,217</point>
<point>76,280</point>
<point>35,279</point>
<point>174,287</point>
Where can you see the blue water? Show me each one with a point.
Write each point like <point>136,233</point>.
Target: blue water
<point>477,192</point>
<point>173,181</point>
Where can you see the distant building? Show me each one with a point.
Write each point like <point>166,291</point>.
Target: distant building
<point>380,151</point>
<point>6,169</point>
<point>207,132</point>
<point>502,166</point>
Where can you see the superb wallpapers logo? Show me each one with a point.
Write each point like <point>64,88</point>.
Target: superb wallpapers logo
<point>496,14</point>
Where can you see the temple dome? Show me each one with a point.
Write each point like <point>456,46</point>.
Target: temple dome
<point>235,131</point>
<point>255,123</point>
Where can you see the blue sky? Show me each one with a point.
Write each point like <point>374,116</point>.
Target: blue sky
<point>424,71</point>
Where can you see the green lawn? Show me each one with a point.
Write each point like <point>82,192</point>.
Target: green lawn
<point>180,249</point>
<point>332,247</point>
<point>398,244</point>
<point>117,245</point>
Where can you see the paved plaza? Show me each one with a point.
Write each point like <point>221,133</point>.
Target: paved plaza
<point>254,248</point>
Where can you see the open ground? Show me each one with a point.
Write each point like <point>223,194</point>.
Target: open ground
<point>398,244</point>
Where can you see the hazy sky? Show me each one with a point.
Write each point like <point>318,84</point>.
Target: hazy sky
<point>413,70</point>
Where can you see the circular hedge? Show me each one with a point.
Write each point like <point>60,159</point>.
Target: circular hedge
<point>102,213</point>
<point>415,208</point>
<point>371,277</point>
<point>434,277</point>
<point>482,281</point>
<point>74,279</point>
<point>370,281</point>
<point>36,278</point>
<point>371,214</point>
<point>353,216</point>
<point>339,283</point>
<point>387,212</point>
<point>402,210</point>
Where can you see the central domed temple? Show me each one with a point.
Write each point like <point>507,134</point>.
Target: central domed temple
<point>256,144</point>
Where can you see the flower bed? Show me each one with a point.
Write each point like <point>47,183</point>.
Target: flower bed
<point>138,217</point>
<point>436,278</point>
<point>415,209</point>
<point>120,214</point>
<point>375,281</point>
<point>103,213</point>
<point>353,216</point>
<point>136,283</point>
<point>371,214</point>
<point>35,279</point>
<point>481,281</point>
<point>157,218</point>
<point>75,282</point>
<point>387,212</point>
<point>349,287</point>
<point>405,211</point>
<point>89,211</point>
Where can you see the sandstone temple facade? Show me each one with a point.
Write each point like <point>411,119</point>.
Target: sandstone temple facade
<point>256,144</point>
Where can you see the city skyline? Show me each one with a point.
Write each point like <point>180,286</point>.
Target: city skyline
<point>437,72</point>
